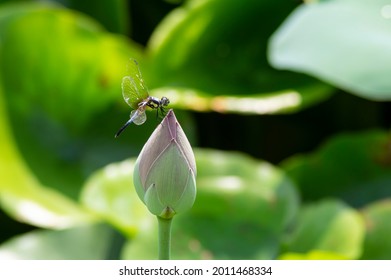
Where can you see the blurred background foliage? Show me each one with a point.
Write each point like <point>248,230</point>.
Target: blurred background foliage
<point>286,102</point>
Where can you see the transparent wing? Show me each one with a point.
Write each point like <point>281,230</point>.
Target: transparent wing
<point>133,88</point>
<point>138,117</point>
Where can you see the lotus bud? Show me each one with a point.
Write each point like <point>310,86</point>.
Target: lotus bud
<point>165,171</point>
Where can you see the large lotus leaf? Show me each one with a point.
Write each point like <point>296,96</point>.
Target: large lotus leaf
<point>352,166</point>
<point>211,55</point>
<point>22,195</point>
<point>113,15</point>
<point>60,72</point>
<point>242,208</point>
<point>60,62</point>
<point>109,194</point>
<point>329,226</point>
<point>377,245</point>
<point>88,242</point>
<point>343,42</point>
<point>313,255</point>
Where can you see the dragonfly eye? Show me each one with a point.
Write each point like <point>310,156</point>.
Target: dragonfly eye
<point>164,101</point>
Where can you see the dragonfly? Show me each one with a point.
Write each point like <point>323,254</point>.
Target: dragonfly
<point>136,95</point>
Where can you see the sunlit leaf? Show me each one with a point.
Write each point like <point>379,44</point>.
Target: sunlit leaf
<point>343,42</point>
<point>256,103</point>
<point>109,193</point>
<point>377,245</point>
<point>22,196</point>
<point>313,255</point>
<point>71,74</point>
<point>328,226</point>
<point>60,70</point>
<point>90,242</point>
<point>211,55</point>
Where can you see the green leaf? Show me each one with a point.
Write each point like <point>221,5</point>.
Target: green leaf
<point>284,101</point>
<point>90,242</point>
<point>22,196</point>
<point>71,74</point>
<point>313,255</point>
<point>57,86</point>
<point>241,210</point>
<point>351,166</point>
<point>211,55</point>
<point>112,14</point>
<point>110,195</point>
<point>343,42</point>
<point>329,226</point>
<point>377,245</point>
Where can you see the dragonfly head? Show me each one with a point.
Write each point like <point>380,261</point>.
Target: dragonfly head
<point>164,101</point>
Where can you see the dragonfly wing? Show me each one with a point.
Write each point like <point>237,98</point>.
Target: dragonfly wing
<point>133,88</point>
<point>138,117</point>
<point>130,92</point>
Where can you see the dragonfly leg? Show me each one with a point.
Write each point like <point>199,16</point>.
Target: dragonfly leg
<point>162,112</point>
<point>143,103</point>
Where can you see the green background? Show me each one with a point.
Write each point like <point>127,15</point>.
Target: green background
<point>286,104</point>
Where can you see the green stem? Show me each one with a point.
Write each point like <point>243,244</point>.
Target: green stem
<point>164,238</point>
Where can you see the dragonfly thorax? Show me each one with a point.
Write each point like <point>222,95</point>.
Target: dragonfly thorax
<point>155,103</point>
